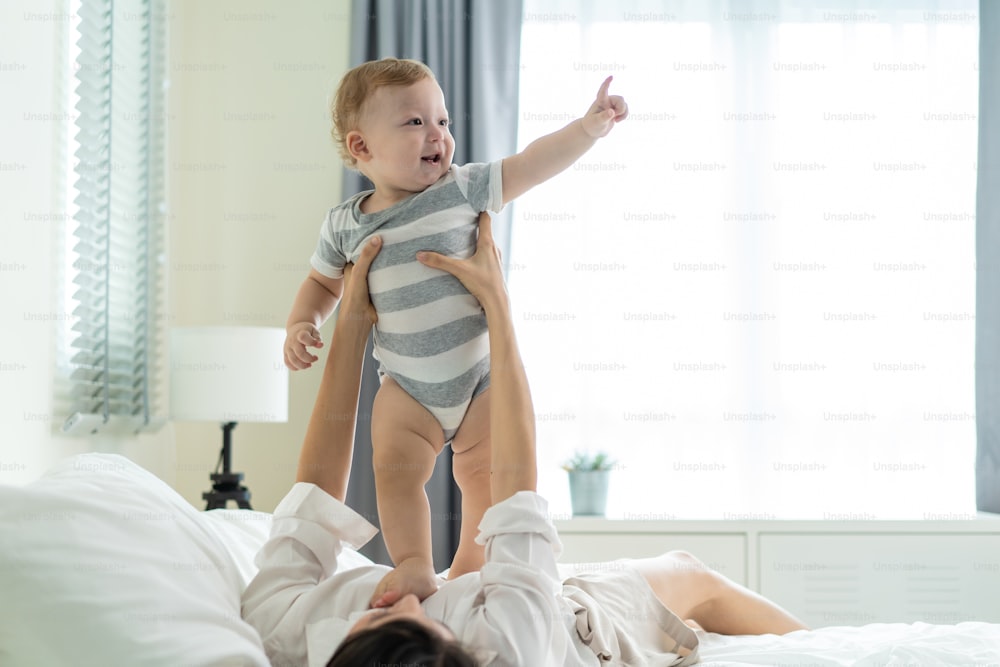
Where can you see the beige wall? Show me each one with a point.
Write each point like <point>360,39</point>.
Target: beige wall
<point>251,171</point>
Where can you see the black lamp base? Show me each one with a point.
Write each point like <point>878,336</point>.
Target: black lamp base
<point>226,485</point>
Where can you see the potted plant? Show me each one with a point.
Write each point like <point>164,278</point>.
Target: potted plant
<point>588,482</point>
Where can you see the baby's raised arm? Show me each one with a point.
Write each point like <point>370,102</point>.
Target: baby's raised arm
<point>314,303</point>
<point>547,156</point>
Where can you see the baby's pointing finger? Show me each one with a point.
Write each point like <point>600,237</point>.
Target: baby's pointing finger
<point>602,94</point>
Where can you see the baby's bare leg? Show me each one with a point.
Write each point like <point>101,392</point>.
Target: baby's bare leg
<point>471,468</point>
<point>692,590</point>
<point>406,440</point>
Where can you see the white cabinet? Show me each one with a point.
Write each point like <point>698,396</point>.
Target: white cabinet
<point>826,572</point>
<point>854,579</point>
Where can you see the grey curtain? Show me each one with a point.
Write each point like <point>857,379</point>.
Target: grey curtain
<point>473,47</point>
<point>988,264</point>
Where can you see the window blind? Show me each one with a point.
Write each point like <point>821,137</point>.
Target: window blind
<point>117,226</point>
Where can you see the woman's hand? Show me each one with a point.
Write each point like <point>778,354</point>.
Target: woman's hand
<point>481,274</point>
<point>356,303</point>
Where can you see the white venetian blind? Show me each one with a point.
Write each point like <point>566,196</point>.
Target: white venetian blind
<point>117,216</point>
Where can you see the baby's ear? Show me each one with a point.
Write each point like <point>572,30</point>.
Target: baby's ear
<point>357,146</point>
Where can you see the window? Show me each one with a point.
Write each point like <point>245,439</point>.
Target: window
<point>757,293</point>
<point>116,211</point>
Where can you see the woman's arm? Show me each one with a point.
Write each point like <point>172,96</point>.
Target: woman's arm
<point>512,417</point>
<point>293,589</point>
<point>517,613</point>
<point>325,459</point>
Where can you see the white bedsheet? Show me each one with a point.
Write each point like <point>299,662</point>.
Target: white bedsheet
<point>103,563</point>
<point>874,645</point>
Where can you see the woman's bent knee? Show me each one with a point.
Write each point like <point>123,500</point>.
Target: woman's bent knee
<point>693,571</point>
<point>685,560</point>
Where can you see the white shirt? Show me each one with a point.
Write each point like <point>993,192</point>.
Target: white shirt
<point>309,591</point>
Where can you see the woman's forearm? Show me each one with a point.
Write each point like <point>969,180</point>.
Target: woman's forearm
<point>512,417</point>
<point>326,454</point>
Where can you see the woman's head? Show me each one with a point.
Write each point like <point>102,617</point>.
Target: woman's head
<point>401,641</point>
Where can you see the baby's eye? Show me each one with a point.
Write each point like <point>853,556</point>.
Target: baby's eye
<point>446,122</point>
<point>414,121</point>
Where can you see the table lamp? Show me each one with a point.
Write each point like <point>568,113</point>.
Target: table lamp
<point>228,375</point>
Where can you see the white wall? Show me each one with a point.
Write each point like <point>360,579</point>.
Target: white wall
<point>251,170</point>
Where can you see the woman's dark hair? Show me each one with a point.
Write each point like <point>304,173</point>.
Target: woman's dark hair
<point>402,642</point>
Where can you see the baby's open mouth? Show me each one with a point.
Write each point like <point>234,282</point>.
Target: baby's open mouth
<point>433,159</point>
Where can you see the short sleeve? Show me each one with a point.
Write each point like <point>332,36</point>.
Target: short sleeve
<point>328,258</point>
<point>482,184</point>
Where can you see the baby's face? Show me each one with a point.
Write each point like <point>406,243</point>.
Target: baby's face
<point>406,131</point>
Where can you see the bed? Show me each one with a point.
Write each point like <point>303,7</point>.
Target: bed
<point>102,563</point>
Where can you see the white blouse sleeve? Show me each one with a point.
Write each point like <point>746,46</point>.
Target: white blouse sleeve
<point>519,613</point>
<point>308,533</point>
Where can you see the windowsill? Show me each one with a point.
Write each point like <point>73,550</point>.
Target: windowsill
<point>981,521</point>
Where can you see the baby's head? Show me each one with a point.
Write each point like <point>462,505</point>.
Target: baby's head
<point>358,86</point>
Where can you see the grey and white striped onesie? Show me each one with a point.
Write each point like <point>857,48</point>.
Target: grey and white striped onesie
<point>431,333</point>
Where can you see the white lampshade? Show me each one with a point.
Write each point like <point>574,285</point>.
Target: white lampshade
<point>228,374</point>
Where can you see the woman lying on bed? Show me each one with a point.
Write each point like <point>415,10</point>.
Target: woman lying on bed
<point>516,610</point>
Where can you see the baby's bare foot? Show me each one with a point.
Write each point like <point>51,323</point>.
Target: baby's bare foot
<point>413,575</point>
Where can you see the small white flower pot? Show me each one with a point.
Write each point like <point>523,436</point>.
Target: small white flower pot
<point>588,491</point>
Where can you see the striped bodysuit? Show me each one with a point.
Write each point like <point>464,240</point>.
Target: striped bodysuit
<point>431,333</point>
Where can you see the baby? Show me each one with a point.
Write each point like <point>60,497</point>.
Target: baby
<point>391,124</point>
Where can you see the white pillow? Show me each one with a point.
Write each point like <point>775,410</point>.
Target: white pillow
<point>243,532</point>
<point>102,563</point>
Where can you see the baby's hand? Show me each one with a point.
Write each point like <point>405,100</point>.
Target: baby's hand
<point>298,337</point>
<point>604,112</point>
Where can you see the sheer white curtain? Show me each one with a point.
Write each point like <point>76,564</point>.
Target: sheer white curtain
<point>757,293</point>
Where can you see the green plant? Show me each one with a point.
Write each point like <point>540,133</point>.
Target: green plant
<point>587,461</point>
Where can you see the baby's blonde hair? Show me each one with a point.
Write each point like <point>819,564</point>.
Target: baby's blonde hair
<point>357,87</point>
